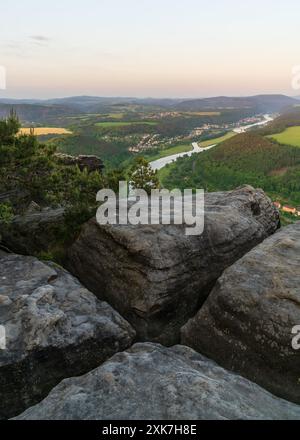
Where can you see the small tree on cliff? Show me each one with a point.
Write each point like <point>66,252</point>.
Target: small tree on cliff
<point>9,128</point>
<point>142,175</point>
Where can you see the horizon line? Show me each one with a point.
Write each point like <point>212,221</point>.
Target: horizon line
<point>148,97</point>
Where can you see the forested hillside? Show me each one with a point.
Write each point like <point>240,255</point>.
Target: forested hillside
<point>288,119</point>
<point>245,159</point>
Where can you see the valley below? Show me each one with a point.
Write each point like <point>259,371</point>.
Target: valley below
<point>165,133</point>
<point>149,218</point>
<point>97,317</point>
<point>161,163</point>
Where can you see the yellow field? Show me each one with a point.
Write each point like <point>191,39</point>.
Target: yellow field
<point>43,131</point>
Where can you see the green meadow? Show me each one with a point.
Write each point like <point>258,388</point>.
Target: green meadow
<point>290,136</point>
<point>116,124</point>
<point>170,151</point>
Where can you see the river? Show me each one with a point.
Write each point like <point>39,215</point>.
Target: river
<point>163,161</point>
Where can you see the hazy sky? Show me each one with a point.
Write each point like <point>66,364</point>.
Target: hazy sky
<point>159,48</point>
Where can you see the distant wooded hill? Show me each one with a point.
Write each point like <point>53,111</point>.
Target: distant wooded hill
<point>261,103</point>
<point>42,110</point>
<point>37,113</point>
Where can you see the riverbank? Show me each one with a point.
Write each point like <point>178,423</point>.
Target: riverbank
<point>160,163</point>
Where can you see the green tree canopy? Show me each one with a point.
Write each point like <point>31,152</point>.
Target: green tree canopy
<point>142,175</point>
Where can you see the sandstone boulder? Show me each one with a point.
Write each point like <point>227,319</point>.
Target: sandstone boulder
<point>156,276</point>
<point>54,328</point>
<point>246,324</point>
<point>17,198</point>
<point>151,382</point>
<point>33,232</point>
<point>89,162</point>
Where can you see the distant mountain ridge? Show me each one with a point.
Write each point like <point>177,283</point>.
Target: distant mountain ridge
<point>37,112</point>
<point>40,110</point>
<point>263,103</point>
<point>211,102</point>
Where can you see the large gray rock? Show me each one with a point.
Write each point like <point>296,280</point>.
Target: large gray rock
<point>55,328</point>
<point>33,232</point>
<point>246,323</point>
<point>19,199</point>
<point>89,162</point>
<point>152,382</point>
<point>156,276</point>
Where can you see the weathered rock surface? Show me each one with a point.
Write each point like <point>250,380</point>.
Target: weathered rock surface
<point>55,328</point>
<point>17,198</point>
<point>33,232</point>
<point>156,276</point>
<point>246,323</point>
<point>153,382</point>
<point>91,163</point>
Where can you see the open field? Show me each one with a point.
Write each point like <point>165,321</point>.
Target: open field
<point>170,151</point>
<point>115,124</point>
<point>290,136</point>
<point>217,140</point>
<point>201,113</point>
<point>43,131</point>
<point>116,115</point>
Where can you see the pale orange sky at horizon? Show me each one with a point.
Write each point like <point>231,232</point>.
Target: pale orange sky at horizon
<point>146,48</point>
